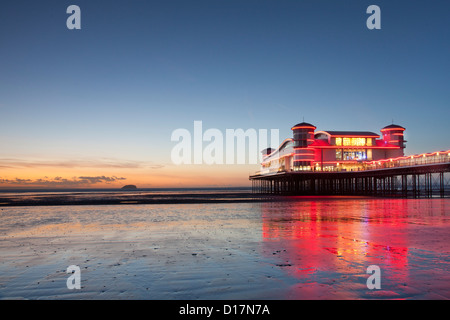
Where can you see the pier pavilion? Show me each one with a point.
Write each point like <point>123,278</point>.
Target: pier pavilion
<point>351,163</point>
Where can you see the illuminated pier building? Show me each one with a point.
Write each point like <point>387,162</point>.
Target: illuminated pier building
<point>351,163</point>
<point>311,150</point>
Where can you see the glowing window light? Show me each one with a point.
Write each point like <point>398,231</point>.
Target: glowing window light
<point>346,141</point>
<point>356,142</point>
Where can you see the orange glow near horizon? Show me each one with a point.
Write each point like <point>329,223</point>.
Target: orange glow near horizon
<point>170,176</point>
<point>164,176</point>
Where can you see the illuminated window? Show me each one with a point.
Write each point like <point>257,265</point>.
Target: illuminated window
<point>354,154</point>
<point>347,141</point>
<point>359,142</point>
<point>339,141</point>
<point>369,142</point>
<point>355,142</point>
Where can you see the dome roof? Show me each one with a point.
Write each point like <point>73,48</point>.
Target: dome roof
<point>393,126</point>
<point>303,125</point>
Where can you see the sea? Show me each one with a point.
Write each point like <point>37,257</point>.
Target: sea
<point>220,244</point>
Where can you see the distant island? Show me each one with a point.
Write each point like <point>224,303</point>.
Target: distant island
<point>129,187</point>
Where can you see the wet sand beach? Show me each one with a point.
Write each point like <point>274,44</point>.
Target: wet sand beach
<point>298,249</point>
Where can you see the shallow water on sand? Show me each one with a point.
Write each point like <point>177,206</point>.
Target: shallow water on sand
<point>309,248</point>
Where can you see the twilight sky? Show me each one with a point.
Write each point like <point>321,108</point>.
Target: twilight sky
<point>96,107</point>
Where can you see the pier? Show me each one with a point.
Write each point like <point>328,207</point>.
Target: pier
<point>425,175</point>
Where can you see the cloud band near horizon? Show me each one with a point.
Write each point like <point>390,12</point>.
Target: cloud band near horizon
<point>61,182</point>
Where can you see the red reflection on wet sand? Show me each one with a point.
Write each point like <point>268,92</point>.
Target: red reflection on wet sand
<point>327,245</point>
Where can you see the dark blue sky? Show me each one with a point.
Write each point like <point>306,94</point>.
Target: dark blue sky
<point>137,70</point>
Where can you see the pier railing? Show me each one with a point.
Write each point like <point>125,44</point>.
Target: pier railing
<point>409,161</point>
